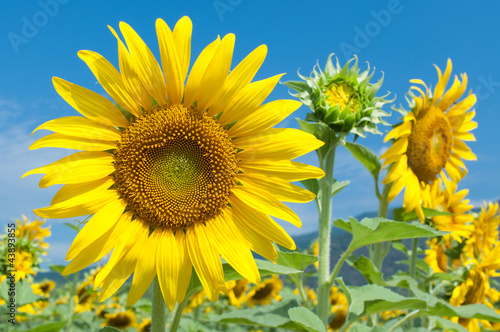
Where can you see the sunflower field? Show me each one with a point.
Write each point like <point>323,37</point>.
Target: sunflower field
<point>179,179</point>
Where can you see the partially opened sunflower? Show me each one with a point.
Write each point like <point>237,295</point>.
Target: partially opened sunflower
<point>179,172</point>
<point>430,142</point>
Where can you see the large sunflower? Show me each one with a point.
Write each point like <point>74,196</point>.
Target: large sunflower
<point>176,174</point>
<point>429,142</point>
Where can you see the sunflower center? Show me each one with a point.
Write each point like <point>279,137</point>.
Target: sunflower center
<point>344,96</point>
<point>175,167</point>
<point>429,144</point>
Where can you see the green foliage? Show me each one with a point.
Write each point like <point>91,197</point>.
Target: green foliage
<point>307,319</point>
<point>375,230</point>
<point>367,157</point>
<point>50,327</point>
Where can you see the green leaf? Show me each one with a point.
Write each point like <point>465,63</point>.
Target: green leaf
<point>400,214</point>
<point>108,329</point>
<point>295,259</point>
<point>24,293</point>
<point>365,266</point>
<point>371,299</point>
<point>375,230</point>
<point>312,185</point>
<point>364,328</point>
<point>307,319</point>
<point>367,157</point>
<point>265,268</point>
<point>50,327</point>
<point>448,325</point>
<point>338,186</point>
<point>273,316</point>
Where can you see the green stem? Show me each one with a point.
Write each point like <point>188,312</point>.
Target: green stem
<point>413,258</point>
<point>157,309</point>
<point>324,232</point>
<point>337,267</point>
<point>179,309</point>
<point>297,280</point>
<point>406,318</point>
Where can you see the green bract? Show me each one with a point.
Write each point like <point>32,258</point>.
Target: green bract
<point>342,98</point>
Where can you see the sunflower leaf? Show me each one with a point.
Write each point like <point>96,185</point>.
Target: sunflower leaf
<point>365,328</point>
<point>367,157</point>
<point>272,316</point>
<point>375,230</point>
<point>295,259</point>
<point>367,269</point>
<point>54,327</point>
<point>108,329</point>
<point>338,186</point>
<point>307,319</point>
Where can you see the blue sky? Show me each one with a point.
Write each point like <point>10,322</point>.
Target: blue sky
<point>402,38</point>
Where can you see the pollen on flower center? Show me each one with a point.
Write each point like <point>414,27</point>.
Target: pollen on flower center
<point>344,96</point>
<point>175,167</point>
<point>429,144</point>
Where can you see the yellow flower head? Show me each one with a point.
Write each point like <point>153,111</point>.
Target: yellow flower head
<point>484,231</point>
<point>121,320</point>
<point>32,230</point>
<point>429,142</point>
<point>339,307</point>
<point>43,288</point>
<point>443,197</point>
<point>180,171</point>
<point>23,264</point>
<point>145,325</point>
<point>85,298</point>
<point>34,308</point>
<point>436,257</point>
<point>237,291</point>
<point>265,292</point>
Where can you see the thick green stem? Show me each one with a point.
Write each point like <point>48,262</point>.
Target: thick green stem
<point>179,309</point>
<point>157,309</point>
<point>74,287</point>
<point>324,233</point>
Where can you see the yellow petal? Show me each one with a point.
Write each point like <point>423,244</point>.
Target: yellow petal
<point>182,38</point>
<point>239,77</point>
<point>283,169</point>
<point>232,247</point>
<point>247,217</point>
<point>145,268</point>
<point>276,144</point>
<point>463,150</point>
<point>281,190</point>
<point>110,79</point>
<point>397,170</point>
<point>130,77</point>
<point>133,235</point>
<point>74,160</point>
<point>99,224</point>
<point>257,242</point>
<point>80,126</point>
<point>443,80</point>
<point>173,266</point>
<point>453,94</point>
<point>397,149</point>
<point>264,117</point>
<point>262,201</point>
<point>79,174</point>
<point>88,203</point>
<point>90,104</point>
<point>206,260</point>
<point>197,72</point>
<point>71,191</point>
<point>463,106</point>
<point>94,252</point>
<point>70,142</point>
<point>171,63</point>
<point>402,130</point>
<point>248,99</point>
<point>216,72</point>
<point>145,64</point>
